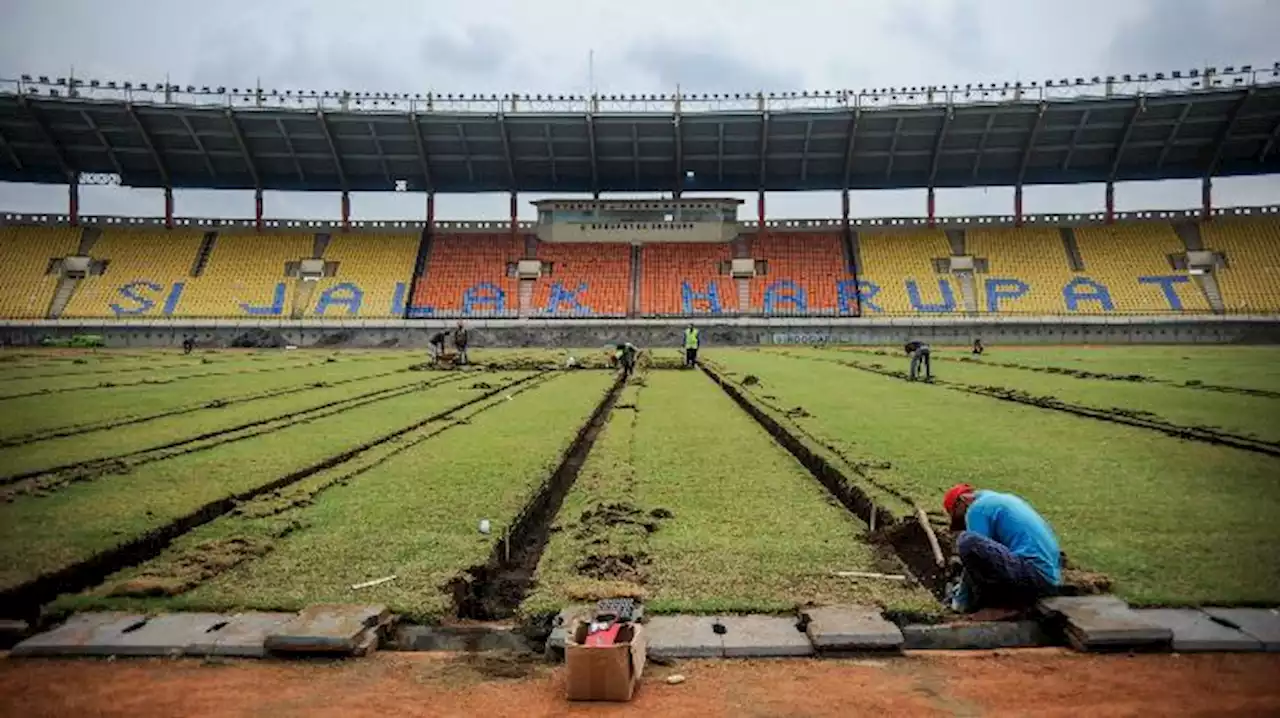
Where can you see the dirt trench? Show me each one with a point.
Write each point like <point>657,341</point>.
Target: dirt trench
<point>495,589</point>
<point>25,600</point>
<point>158,382</point>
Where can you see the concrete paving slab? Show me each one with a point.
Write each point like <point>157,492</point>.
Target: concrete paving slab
<point>1104,623</point>
<point>560,627</point>
<point>1260,623</point>
<point>84,634</point>
<point>683,637</point>
<point>851,628</point>
<point>1194,630</point>
<point>764,637</point>
<point>466,639</point>
<point>243,636</point>
<point>974,636</point>
<point>327,628</point>
<point>165,635</point>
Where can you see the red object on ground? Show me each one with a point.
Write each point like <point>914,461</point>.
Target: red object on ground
<point>604,637</point>
<point>954,493</point>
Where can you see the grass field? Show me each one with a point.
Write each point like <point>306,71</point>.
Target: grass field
<point>273,479</point>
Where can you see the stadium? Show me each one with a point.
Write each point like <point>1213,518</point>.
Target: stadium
<point>303,449</point>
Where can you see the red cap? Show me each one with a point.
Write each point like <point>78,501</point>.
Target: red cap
<point>953,494</point>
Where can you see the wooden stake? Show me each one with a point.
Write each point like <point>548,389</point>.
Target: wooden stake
<point>870,574</point>
<point>933,538</point>
<point>872,522</point>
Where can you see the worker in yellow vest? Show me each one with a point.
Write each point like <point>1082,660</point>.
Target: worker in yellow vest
<point>690,346</point>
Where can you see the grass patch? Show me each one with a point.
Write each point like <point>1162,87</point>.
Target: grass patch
<point>1171,522</point>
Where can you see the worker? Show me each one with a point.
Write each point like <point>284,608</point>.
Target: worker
<point>690,346</point>
<point>919,352</point>
<point>1008,552</point>
<point>436,344</point>
<point>188,343</point>
<point>978,348</point>
<point>460,343</point>
<point>624,355</point>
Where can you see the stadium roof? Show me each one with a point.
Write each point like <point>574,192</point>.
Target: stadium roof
<point>1218,124</point>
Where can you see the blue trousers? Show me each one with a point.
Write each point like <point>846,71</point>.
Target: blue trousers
<point>918,357</point>
<point>996,577</point>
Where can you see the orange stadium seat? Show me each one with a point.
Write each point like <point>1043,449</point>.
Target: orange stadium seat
<point>467,274</point>
<point>686,279</point>
<point>587,278</point>
<point>804,274</point>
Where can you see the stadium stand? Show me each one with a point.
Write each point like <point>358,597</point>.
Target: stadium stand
<point>586,278</point>
<point>1250,281</point>
<point>141,268</point>
<point>26,286</point>
<point>679,278</point>
<point>1132,261</point>
<point>1033,256</point>
<point>468,274</point>
<point>245,274</point>
<point>371,279</point>
<point>804,274</point>
<point>897,274</point>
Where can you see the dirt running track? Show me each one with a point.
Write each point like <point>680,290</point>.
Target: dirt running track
<point>1047,682</point>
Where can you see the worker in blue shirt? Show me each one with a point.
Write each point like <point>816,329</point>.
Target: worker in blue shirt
<point>1008,551</point>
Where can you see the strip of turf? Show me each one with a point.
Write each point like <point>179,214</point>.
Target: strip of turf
<point>415,516</point>
<point>1171,522</point>
<point>39,534</point>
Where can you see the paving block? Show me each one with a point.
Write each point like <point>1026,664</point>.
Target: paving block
<point>764,637</point>
<point>851,628</point>
<point>243,636</point>
<point>560,627</point>
<point>1260,623</point>
<point>165,635</point>
<point>970,636</point>
<point>84,634</point>
<point>1104,623</point>
<point>1194,630</point>
<point>683,637</point>
<point>468,639</point>
<point>328,628</point>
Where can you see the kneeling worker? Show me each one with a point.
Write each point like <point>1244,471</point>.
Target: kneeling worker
<point>625,355</point>
<point>436,345</point>
<point>919,352</point>
<point>1008,551</point>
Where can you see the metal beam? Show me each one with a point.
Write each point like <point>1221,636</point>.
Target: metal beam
<point>208,161</point>
<point>1173,134</point>
<point>333,149</point>
<point>1220,143</point>
<point>591,149</point>
<point>466,151</point>
<point>43,126</point>
<point>151,147</point>
<point>635,151</point>
<point>1271,143</point>
<point>8,150</point>
<point>1031,143</point>
<point>111,151</point>
<point>764,147</point>
<point>382,158</point>
<point>720,152</point>
<point>1138,108</point>
<point>982,144</point>
<point>551,153</point>
<point>850,146</point>
<point>422,150</point>
<point>804,152</point>
<point>288,143</point>
<point>506,150</point>
<point>244,149</point>
<point>893,147</point>
<point>937,144</point>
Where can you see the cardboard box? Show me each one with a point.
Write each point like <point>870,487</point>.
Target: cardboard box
<point>604,673</point>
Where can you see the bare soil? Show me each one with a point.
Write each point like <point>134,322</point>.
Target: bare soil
<point>1048,682</point>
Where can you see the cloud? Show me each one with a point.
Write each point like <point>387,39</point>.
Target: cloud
<point>1182,34</point>
<point>698,68</point>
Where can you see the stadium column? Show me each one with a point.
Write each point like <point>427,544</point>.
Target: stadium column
<point>73,199</point>
<point>1206,199</point>
<point>514,219</point>
<point>431,210</point>
<point>1111,203</point>
<point>1017,206</point>
<point>844,211</point>
<point>257,209</point>
<point>931,207</point>
<point>168,208</point>
<point>346,210</point>
<point>760,229</point>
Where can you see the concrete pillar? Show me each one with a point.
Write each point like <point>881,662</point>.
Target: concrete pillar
<point>931,208</point>
<point>346,210</point>
<point>1206,199</point>
<point>168,208</point>
<point>761,231</point>
<point>257,209</point>
<point>431,210</point>
<point>1111,202</point>
<point>73,200</point>
<point>844,210</point>
<point>515,222</point>
<point>1017,206</point>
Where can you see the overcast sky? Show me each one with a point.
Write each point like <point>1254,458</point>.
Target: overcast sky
<point>702,45</point>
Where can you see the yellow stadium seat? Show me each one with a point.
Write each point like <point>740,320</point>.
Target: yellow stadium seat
<point>900,263</point>
<point>375,263</point>
<point>1118,256</point>
<point>1032,255</point>
<point>245,270</point>
<point>26,287</point>
<point>1251,280</point>
<point>142,268</point>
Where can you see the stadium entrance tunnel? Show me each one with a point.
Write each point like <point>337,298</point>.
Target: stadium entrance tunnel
<point>906,540</point>
<point>495,589</point>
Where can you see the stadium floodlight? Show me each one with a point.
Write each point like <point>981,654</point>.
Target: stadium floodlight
<point>93,83</point>
<point>1193,72</point>
<point>1229,70</point>
<point>44,79</point>
<point>222,90</point>
<point>1096,79</point>
<point>1247,68</point>
<point>1177,74</point>
<point>191,88</point>
<point>1079,80</point>
<point>62,81</point>
<point>142,86</point>
<point>26,78</point>
<point>1210,70</point>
